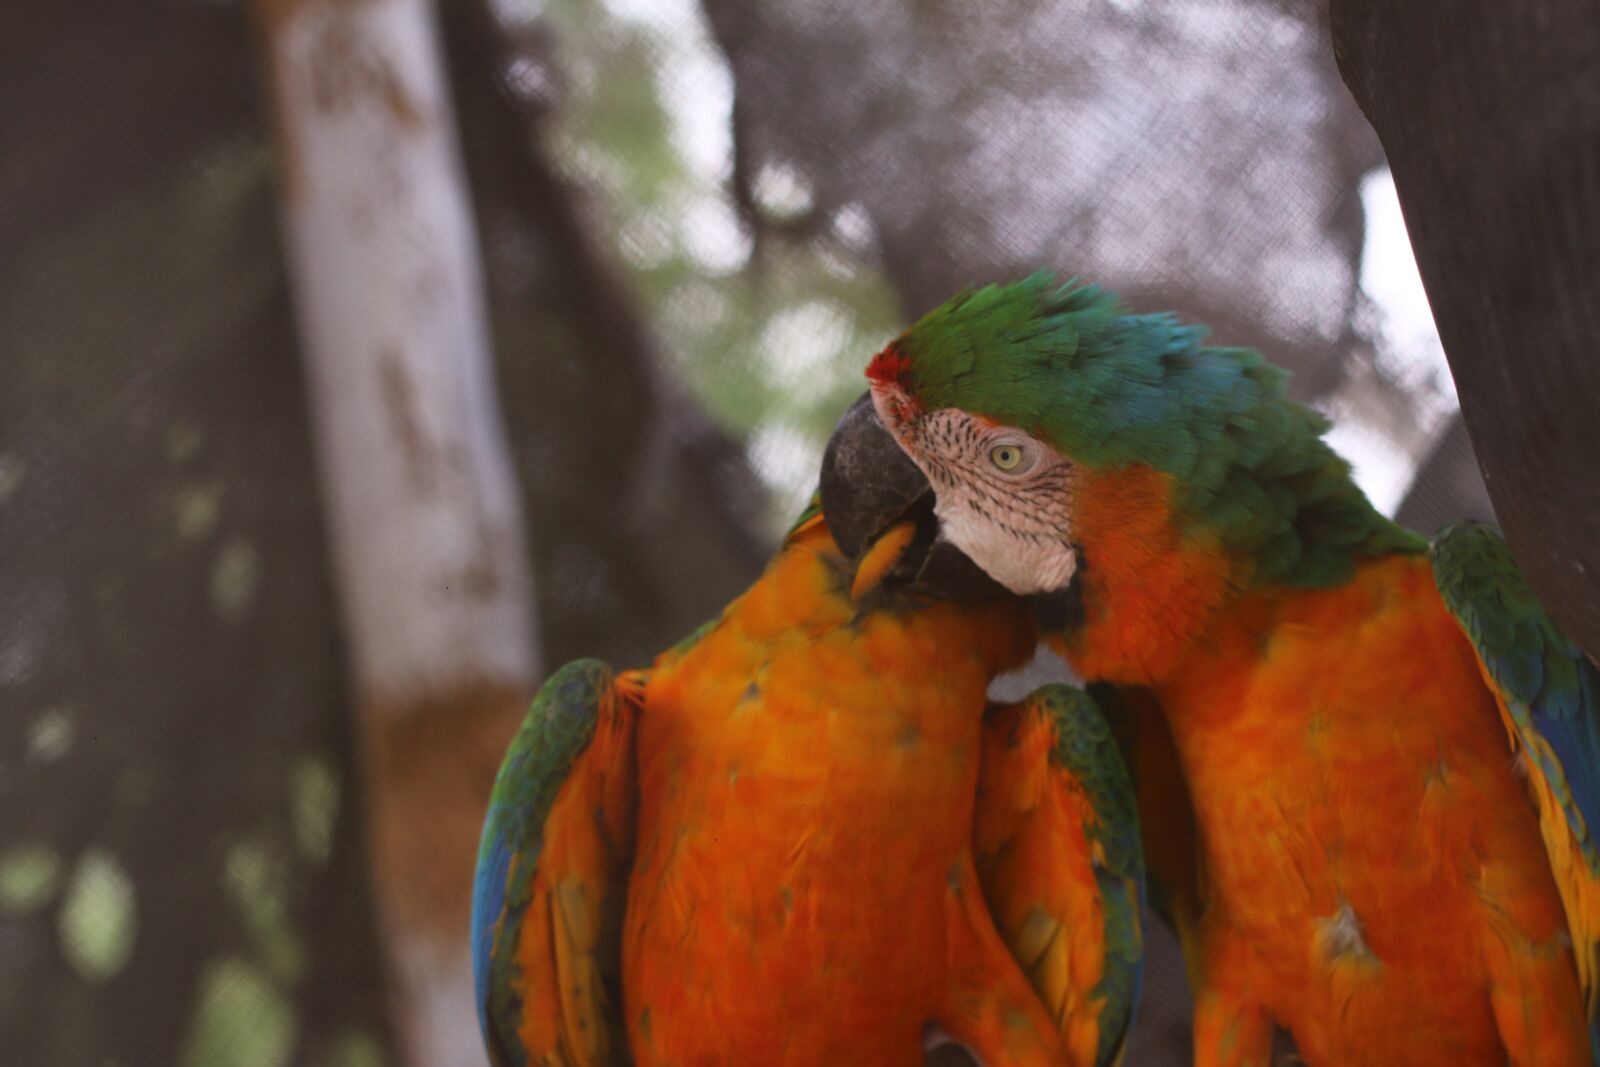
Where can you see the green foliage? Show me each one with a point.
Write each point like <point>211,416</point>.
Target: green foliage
<point>772,343</point>
<point>51,735</point>
<point>196,507</point>
<point>314,801</point>
<point>242,1019</point>
<point>29,877</point>
<point>257,880</point>
<point>99,920</point>
<point>235,578</point>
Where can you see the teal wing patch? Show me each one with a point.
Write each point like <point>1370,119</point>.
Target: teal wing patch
<point>1167,825</point>
<point>553,737</point>
<point>1551,694</point>
<point>1086,750</point>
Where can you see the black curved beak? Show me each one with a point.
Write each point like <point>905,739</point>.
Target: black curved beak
<point>868,482</point>
<point>868,486</point>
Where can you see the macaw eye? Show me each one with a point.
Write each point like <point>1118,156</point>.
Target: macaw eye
<point>1006,457</point>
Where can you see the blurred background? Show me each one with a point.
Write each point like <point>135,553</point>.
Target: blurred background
<point>239,784</point>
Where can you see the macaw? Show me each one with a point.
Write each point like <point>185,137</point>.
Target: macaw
<point>1388,757</point>
<point>803,837</point>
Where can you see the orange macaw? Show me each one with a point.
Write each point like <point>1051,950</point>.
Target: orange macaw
<point>1378,874</point>
<point>802,837</point>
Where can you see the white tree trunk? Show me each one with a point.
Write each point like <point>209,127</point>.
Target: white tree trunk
<point>424,515</point>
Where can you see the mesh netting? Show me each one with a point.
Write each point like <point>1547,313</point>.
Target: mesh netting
<point>698,223</point>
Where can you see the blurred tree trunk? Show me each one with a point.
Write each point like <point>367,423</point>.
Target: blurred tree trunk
<point>183,870</point>
<point>426,522</point>
<point>184,873</point>
<point>1490,114</point>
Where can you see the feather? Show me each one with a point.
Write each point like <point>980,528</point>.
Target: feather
<point>1110,389</point>
<point>1549,695</point>
<point>536,884</point>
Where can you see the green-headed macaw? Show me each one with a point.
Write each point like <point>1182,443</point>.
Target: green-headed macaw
<point>1378,874</point>
<point>802,837</point>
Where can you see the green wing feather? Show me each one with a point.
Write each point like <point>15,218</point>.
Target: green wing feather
<point>554,735</point>
<point>1086,750</point>
<point>1551,696</point>
<point>1168,830</point>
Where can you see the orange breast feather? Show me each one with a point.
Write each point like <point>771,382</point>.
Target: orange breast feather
<point>807,773</point>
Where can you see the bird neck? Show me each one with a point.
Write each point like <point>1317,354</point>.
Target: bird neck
<point>1148,584</point>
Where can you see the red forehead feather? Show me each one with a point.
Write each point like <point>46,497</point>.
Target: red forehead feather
<point>889,367</point>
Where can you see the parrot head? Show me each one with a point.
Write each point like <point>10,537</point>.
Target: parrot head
<point>873,497</point>
<point>1060,434</point>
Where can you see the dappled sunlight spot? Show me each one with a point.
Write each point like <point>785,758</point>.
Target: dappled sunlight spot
<point>844,263</point>
<point>257,879</point>
<point>518,11</point>
<point>20,645</point>
<point>314,801</point>
<point>774,340</point>
<point>693,81</point>
<point>51,736</point>
<point>531,81</point>
<point>787,461</point>
<point>195,509</point>
<point>782,191</point>
<point>98,921</point>
<point>645,240</point>
<point>691,305</point>
<point>591,163</point>
<point>854,226</point>
<point>30,875</point>
<point>241,1019</point>
<point>235,577</point>
<point>800,341</point>
<point>679,179</point>
<point>714,235</point>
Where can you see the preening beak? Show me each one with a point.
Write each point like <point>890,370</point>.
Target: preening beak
<point>868,482</point>
<point>869,486</point>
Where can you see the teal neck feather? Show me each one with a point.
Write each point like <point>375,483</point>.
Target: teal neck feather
<point>1109,389</point>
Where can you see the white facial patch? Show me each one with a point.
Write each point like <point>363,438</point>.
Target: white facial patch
<point>1022,561</point>
<point>1002,497</point>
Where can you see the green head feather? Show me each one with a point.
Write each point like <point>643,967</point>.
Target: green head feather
<point>1070,365</point>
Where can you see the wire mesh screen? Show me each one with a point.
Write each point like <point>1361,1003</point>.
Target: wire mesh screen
<point>790,183</point>
<point>698,222</point>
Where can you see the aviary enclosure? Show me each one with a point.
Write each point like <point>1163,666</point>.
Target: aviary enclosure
<point>363,360</point>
